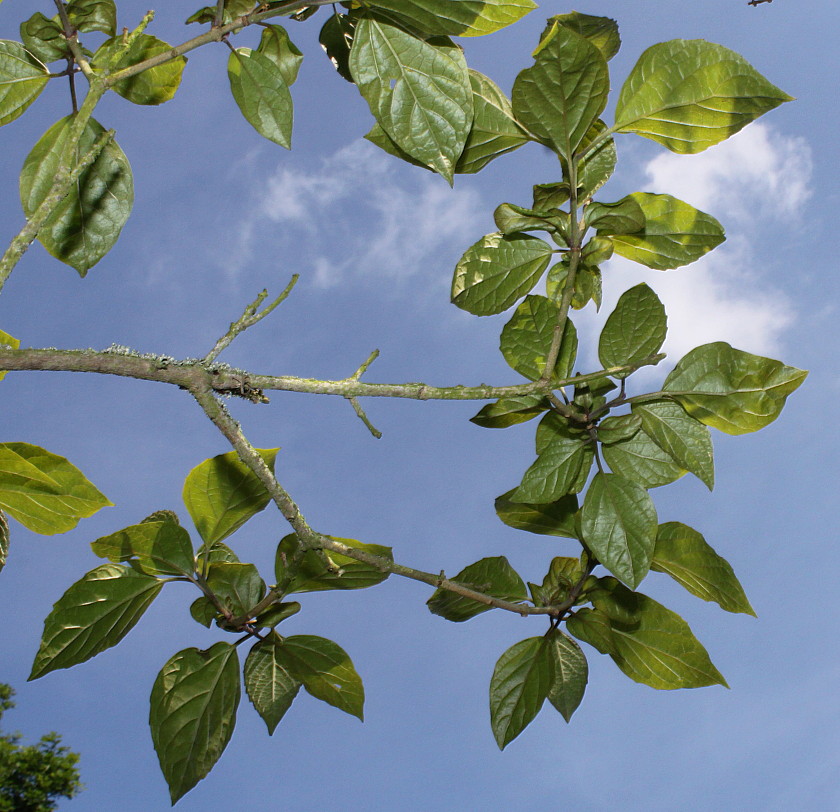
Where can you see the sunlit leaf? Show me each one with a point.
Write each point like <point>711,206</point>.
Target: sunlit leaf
<point>22,78</point>
<point>158,547</point>
<point>8,341</point>
<point>276,45</point>
<point>570,673</point>
<point>634,331</point>
<point>640,459</point>
<point>602,32</point>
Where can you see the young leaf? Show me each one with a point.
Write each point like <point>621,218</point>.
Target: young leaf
<point>619,524</point>
<point>325,670</point>
<point>616,429</point>
<point>217,553</point>
<point>193,713</point>
<point>258,87</point>
<point>497,271</point>
<point>640,459</point>
<point>153,86</point>
<point>689,94</point>
<point>683,553</point>
<point>563,573</point>
<point>587,283</point>
<point>4,539</point>
<point>313,574</point>
<point>507,412</point>
<point>271,688</point>
<point>276,45</point>
<point>521,681</point>
<point>684,439</point>
<point>634,331</point>
<point>595,168</point>
<point>238,586</point>
<point>602,32</point>
<point>94,614</point>
<point>44,38</point>
<point>87,223</point>
<point>43,491</point>
<point>551,519</point>
<point>674,233</point>
<point>570,673</point>
<point>732,390</point>
<point>419,93</point>
<point>22,78</point>
<point>8,341</point>
<point>158,547</point>
<point>562,95</point>
<point>93,15</point>
<point>203,611</point>
<point>222,493</point>
<point>526,338</point>
<point>492,576</point>
<point>625,216</point>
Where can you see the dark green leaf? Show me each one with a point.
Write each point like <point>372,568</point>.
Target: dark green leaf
<point>511,219</point>
<point>87,223</point>
<point>492,576</point>
<point>507,412</point>
<point>153,86</point>
<point>732,390</point>
<point>238,587</point>
<point>639,458</point>
<point>271,688</point>
<point>674,234</point>
<point>563,573</point>
<point>4,539</point>
<point>22,78</point>
<point>193,713</point>
<point>94,614</point>
<point>520,684</point>
<point>619,524</point>
<point>634,331</point>
<point>381,139</point>
<point>526,339</point>
<point>203,611</point>
<point>259,89</point>
<point>587,284</point>
<point>218,553</point>
<point>593,627</point>
<point>622,217</point>
<point>277,613</point>
<point>276,45</point>
<point>689,94</point>
<point>551,519</point>
<point>159,548</point>
<point>325,670</point>
<point>602,32</point>
<point>562,95</point>
<point>44,38</point>
<point>336,38</point>
<point>93,15</point>
<point>44,492</point>
<point>497,271</point>
<point>684,554</point>
<point>616,429</point>
<point>419,93</point>
<point>222,493</point>
<point>570,673</point>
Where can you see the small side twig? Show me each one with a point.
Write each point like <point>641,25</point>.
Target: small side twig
<point>363,368</point>
<point>360,413</point>
<point>248,319</point>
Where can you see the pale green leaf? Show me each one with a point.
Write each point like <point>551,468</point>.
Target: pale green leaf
<point>262,95</point>
<point>550,519</point>
<point>602,32</point>
<point>276,45</point>
<point>43,491</point>
<point>690,94</point>
<point>625,216</point>
<point>94,614</point>
<point>595,168</point>
<point>22,78</point>
<point>193,713</point>
<point>634,331</point>
<point>684,554</point>
<point>157,547</point>
<point>87,223</point>
<point>570,673</point>
<point>271,688</point>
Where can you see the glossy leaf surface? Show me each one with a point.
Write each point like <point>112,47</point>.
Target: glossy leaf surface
<point>259,89</point>
<point>276,46</point>
<point>158,547</point>
<point>570,673</point>
<point>93,15</point>
<point>238,586</point>
<point>270,687</point>
<point>602,32</point>
<point>634,331</point>
<point>153,86</point>
<point>43,38</point>
<point>640,459</point>
<point>492,576</point>
<point>22,78</point>
<point>549,519</point>
<point>507,412</point>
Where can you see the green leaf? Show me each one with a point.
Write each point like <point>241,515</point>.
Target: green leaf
<point>465,18</point>
<point>562,466</point>
<point>562,95</point>
<point>674,234</point>
<point>222,493</point>
<point>4,539</point>
<point>313,574</point>
<point>684,439</point>
<point>277,613</point>
<point>521,681</point>
<point>619,524</point>
<point>276,45</point>
<point>22,78</point>
<point>193,713</point>
<point>153,86</point>
<point>683,553</point>
<point>507,412</point>
<point>93,15</point>
<point>492,576</point>
<point>526,339</point>
<point>43,491</point>
<point>158,547</point>
<point>689,94</point>
<point>44,38</point>
<point>94,614</point>
<point>616,429</point>
<point>587,284</point>
<point>602,32</point>
<point>625,216</point>
<point>258,87</point>
<point>218,553</point>
<point>8,341</point>
<point>238,586</point>
<point>595,168</point>
<point>203,611</point>
<point>593,627</point>
<point>511,219</point>
<point>87,223</point>
<point>325,670</point>
<point>570,673</point>
<point>563,573</point>
<point>634,331</point>
<point>639,458</point>
<point>550,519</point>
<point>497,271</point>
<point>419,93</point>
<point>271,688</point>
<point>494,130</point>
<point>652,644</point>
<point>336,38</point>
<point>732,390</point>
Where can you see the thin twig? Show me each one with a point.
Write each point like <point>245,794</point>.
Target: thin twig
<point>363,368</point>
<point>360,413</point>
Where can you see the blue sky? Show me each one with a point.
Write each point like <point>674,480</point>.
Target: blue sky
<point>220,214</point>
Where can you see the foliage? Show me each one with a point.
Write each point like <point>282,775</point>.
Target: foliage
<point>33,777</point>
<point>601,445</point>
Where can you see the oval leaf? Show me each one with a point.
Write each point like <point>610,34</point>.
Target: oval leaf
<point>276,45</point>
<point>570,673</point>
<point>634,331</point>
<point>259,89</point>
<point>550,519</point>
<point>640,459</point>
<point>271,688</point>
<point>22,78</point>
<point>465,18</point>
<point>157,547</point>
<point>238,587</point>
